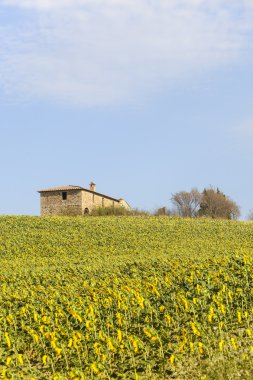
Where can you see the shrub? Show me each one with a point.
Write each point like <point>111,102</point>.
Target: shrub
<point>117,211</point>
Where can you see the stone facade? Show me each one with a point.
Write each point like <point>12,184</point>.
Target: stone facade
<point>75,200</point>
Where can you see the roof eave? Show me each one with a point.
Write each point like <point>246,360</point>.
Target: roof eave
<point>78,189</point>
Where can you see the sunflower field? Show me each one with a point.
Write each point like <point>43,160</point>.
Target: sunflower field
<point>125,298</point>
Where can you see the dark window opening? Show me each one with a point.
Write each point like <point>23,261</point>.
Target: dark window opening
<point>103,202</point>
<point>86,211</point>
<point>64,195</point>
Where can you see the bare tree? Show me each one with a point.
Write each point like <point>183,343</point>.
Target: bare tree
<point>187,203</point>
<point>250,215</point>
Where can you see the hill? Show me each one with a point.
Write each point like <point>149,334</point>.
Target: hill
<point>125,298</point>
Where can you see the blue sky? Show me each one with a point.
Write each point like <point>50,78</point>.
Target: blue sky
<point>145,98</point>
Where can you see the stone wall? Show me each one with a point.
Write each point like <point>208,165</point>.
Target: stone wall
<point>51,203</point>
<point>124,204</point>
<point>78,202</point>
<point>92,200</point>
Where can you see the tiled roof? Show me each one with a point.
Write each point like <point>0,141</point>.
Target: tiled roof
<point>72,187</point>
<point>62,188</point>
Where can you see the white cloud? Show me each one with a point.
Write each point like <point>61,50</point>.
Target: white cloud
<point>93,52</point>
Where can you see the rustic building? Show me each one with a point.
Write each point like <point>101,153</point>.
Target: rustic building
<point>75,200</point>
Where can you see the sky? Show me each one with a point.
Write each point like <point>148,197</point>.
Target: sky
<point>143,97</point>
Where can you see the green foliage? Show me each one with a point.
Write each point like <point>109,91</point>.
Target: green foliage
<point>125,298</point>
<point>215,204</point>
<point>118,211</point>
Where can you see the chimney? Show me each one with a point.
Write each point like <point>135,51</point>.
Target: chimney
<point>92,186</point>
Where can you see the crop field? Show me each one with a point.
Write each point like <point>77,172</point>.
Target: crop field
<point>125,298</point>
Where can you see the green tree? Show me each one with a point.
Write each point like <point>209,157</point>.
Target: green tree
<point>215,204</point>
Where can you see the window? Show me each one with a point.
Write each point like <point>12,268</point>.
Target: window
<point>64,195</point>
<point>86,211</point>
<point>103,202</point>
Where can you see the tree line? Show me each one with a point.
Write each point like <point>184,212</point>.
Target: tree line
<point>211,202</point>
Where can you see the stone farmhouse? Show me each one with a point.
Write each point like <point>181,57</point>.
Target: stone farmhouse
<point>75,200</point>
